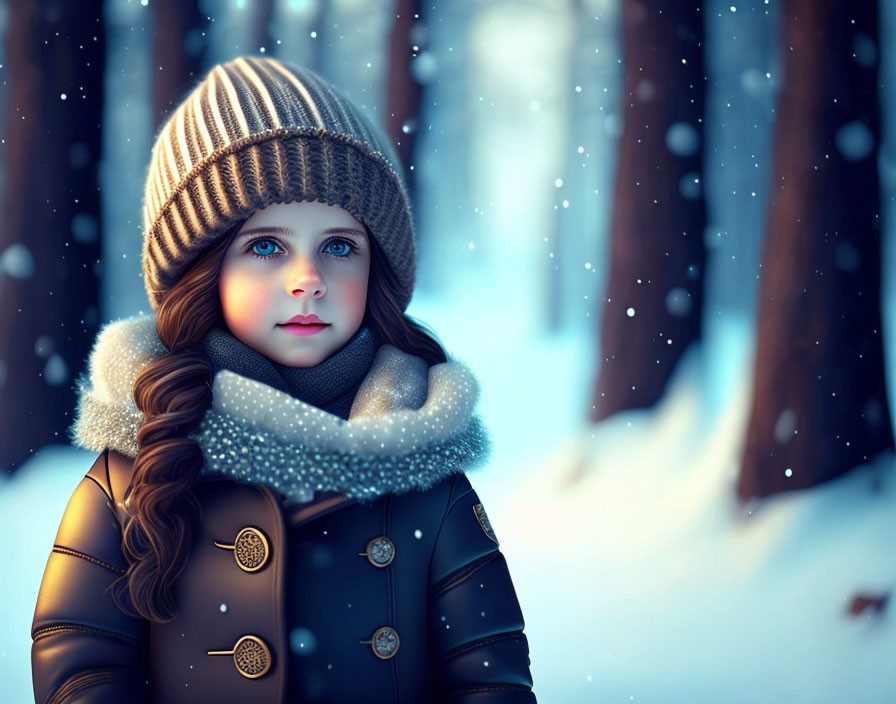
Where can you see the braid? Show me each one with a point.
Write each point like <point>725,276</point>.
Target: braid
<point>173,393</point>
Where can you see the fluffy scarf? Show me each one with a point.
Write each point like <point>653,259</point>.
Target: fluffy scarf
<point>409,427</point>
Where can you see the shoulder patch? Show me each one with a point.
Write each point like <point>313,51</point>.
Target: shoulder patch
<point>484,523</point>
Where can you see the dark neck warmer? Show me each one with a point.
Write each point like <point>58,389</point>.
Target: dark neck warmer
<point>330,385</point>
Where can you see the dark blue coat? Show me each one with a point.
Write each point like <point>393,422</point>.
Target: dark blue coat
<point>404,599</point>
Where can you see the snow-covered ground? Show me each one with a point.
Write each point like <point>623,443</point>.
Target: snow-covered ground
<point>640,578</point>
<point>643,580</point>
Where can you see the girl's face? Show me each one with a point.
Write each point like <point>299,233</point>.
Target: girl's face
<point>296,259</point>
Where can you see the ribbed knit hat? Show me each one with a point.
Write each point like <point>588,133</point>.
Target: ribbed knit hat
<point>258,131</point>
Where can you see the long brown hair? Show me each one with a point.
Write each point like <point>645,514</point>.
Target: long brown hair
<point>174,393</point>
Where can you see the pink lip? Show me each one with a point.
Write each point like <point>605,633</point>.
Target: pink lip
<point>303,330</point>
<point>304,325</point>
<point>305,320</point>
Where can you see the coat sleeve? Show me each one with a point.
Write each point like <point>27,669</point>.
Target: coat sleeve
<point>84,649</point>
<point>478,649</point>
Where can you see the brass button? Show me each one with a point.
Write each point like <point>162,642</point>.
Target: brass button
<point>251,656</point>
<point>380,551</point>
<point>251,549</point>
<point>384,643</point>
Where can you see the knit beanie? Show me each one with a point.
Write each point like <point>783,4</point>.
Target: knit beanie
<point>254,132</point>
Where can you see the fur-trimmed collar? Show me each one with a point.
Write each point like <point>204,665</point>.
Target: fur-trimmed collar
<point>408,427</point>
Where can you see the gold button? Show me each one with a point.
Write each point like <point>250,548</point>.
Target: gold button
<point>384,643</point>
<point>380,551</point>
<point>251,656</point>
<point>251,549</point>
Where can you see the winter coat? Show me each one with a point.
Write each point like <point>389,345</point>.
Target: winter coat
<point>353,596</point>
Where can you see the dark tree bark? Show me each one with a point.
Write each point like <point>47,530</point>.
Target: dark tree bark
<point>317,59</point>
<point>50,238</point>
<point>403,92</point>
<point>654,297</point>
<point>179,46</point>
<point>819,405</point>
<point>264,15</point>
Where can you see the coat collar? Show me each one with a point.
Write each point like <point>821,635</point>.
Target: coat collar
<point>409,427</point>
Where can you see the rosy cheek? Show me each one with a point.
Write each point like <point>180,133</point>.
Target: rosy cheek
<point>244,298</point>
<point>355,295</point>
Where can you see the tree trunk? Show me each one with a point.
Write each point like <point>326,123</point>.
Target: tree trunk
<point>50,236</point>
<point>403,92</point>
<point>319,25</point>
<point>179,46</point>
<point>264,15</point>
<point>654,293</point>
<point>819,405</point>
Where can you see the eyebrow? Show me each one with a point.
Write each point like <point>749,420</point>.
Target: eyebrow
<point>286,231</point>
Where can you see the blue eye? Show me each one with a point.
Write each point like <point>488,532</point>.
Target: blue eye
<point>267,248</point>
<point>343,248</point>
<point>263,249</point>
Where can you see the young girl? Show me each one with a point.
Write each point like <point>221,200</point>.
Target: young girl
<point>279,511</point>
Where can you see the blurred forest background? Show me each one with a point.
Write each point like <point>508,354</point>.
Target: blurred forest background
<point>662,235</point>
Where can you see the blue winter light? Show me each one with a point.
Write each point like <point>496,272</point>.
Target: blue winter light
<point>678,302</point>
<point>682,139</point>
<point>424,67</point>
<point>854,141</point>
<point>17,261</point>
<point>689,186</point>
<point>85,229</point>
<point>864,50</point>
<point>302,641</point>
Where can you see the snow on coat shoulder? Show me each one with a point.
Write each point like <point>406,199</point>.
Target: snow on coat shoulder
<point>106,416</point>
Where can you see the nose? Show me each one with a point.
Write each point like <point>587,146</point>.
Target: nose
<point>306,280</point>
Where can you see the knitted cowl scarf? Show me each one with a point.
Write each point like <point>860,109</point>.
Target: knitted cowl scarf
<point>330,385</point>
<point>408,427</point>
